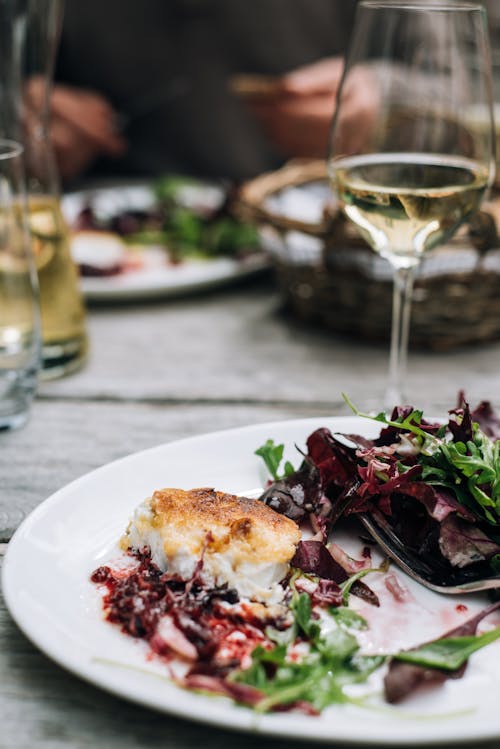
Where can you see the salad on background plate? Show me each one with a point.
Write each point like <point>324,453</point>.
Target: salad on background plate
<point>174,236</point>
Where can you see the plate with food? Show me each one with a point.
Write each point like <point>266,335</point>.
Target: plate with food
<point>175,236</point>
<point>227,579</point>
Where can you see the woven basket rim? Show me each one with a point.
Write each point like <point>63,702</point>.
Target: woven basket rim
<point>253,194</point>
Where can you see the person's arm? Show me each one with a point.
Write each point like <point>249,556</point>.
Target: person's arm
<point>296,109</point>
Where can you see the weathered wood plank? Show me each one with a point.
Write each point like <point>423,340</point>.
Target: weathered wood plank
<point>237,344</point>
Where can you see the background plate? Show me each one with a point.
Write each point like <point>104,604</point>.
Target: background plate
<point>156,281</point>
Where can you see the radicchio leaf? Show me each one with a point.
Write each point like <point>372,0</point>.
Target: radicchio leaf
<point>335,461</point>
<point>350,565</point>
<point>463,544</point>
<point>296,495</point>
<point>348,502</point>
<point>398,591</point>
<point>384,478</point>
<point>313,557</point>
<point>322,593</point>
<point>391,434</point>
<point>461,427</point>
<point>438,502</point>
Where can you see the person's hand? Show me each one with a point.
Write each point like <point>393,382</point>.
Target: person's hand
<point>82,126</point>
<point>296,109</point>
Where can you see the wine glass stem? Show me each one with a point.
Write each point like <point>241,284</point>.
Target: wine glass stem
<point>401,310</point>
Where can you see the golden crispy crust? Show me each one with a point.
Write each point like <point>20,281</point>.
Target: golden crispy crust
<point>255,529</point>
<point>217,507</point>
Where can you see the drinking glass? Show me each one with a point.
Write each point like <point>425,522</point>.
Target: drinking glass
<point>411,169</point>
<point>19,311</point>
<point>64,337</point>
<point>29,35</point>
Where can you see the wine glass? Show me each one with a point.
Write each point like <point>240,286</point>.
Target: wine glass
<point>411,168</point>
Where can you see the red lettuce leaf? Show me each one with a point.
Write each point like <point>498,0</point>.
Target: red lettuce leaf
<point>313,557</point>
<point>438,502</point>
<point>461,428</point>
<point>335,461</point>
<point>463,544</point>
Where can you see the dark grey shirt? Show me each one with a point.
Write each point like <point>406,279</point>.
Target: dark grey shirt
<point>165,65</point>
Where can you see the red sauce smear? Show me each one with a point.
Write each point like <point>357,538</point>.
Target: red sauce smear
<point>222,636</point>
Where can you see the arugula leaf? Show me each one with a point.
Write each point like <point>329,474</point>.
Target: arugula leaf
<point>282,636</point>
<point>301,609</point>
<point>471,470</point>
<point>347,584</point>
<point>331,660</point>
<point>449,653</point>
<point>272,455</point>
<point>410,423</point>
<point>167,187</point>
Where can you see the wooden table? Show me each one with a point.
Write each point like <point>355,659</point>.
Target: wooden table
<point>158,372</point>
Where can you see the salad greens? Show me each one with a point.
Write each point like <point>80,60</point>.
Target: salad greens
<point>438,487</point>
<point>195,231</point>
<point>181,220</point>
<point>462,459</point>
<point>318,676</point>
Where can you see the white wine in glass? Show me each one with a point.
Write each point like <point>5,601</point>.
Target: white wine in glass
<point>417,168</point>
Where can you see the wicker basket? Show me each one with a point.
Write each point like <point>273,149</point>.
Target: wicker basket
<point>330,276</point>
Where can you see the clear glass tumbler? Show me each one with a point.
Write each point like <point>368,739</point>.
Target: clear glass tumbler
<point>29,35</point>
<point>20,340</point>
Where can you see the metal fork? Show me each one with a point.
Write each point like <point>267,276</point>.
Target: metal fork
<point>441,580</point>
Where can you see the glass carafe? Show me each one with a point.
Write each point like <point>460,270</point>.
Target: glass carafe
<point>29,34</point>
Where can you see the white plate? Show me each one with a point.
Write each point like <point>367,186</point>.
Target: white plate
<point>156,280</point>
<point>47,590</point>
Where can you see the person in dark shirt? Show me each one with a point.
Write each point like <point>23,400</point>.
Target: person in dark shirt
<point>145,88</point>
